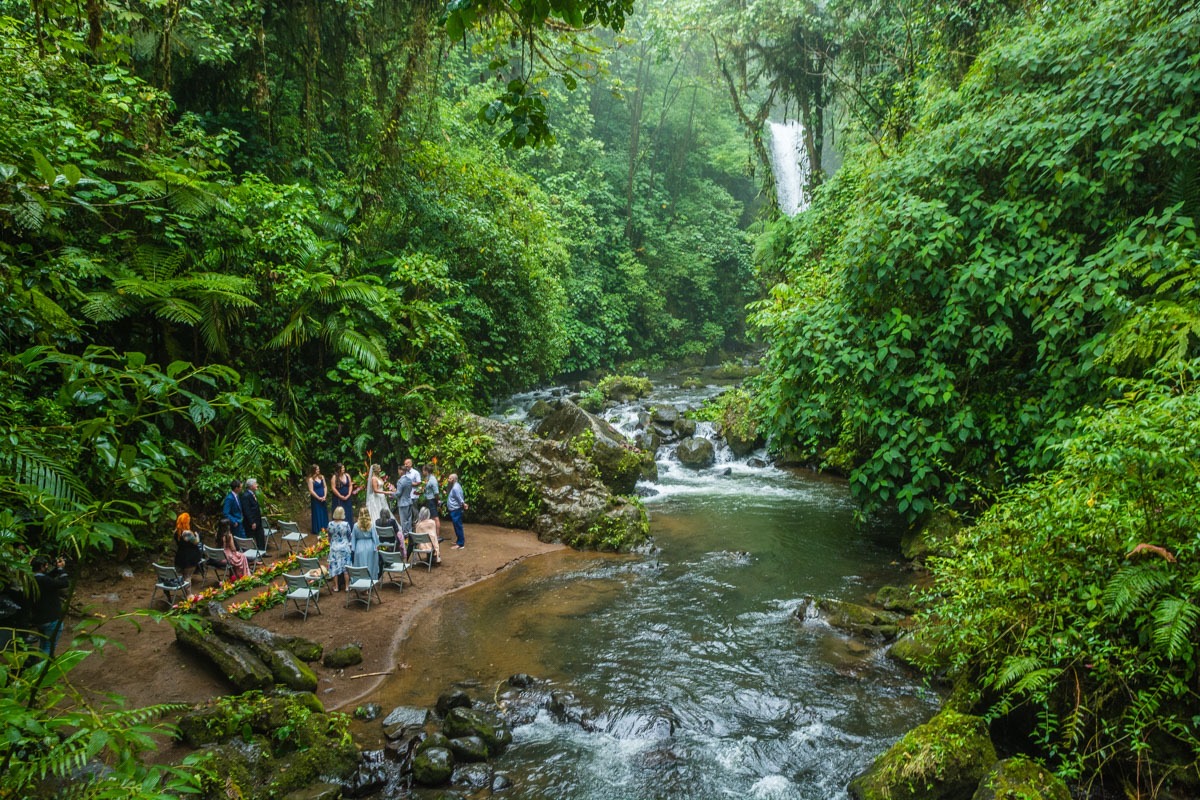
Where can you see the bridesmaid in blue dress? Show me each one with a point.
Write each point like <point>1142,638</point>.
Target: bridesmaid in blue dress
<point>343,490</point>
<point>318,496</point>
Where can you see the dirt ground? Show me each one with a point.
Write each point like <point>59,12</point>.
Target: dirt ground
<point>143,662</point>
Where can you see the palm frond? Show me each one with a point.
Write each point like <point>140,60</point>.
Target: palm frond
<point>367,350</point>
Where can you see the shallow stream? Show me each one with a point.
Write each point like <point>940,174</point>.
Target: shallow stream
<point>697,679</point>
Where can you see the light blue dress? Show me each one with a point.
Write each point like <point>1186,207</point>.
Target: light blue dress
<point>341,547</point>
<point>366,543</point>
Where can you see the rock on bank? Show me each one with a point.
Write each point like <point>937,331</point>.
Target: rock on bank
<point>513,478</point>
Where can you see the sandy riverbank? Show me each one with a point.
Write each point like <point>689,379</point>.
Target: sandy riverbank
<point>146,666</point>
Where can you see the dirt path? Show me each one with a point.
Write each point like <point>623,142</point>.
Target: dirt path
<point>143,663</point>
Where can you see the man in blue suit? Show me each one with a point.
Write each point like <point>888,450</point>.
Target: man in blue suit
<point>231,512</point>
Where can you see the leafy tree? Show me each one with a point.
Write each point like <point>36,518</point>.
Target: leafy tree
<point>946,309</point>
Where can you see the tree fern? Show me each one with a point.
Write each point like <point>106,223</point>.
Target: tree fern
<point>1131,586</point>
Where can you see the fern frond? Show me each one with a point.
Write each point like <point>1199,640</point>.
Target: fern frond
<point>1130,587</point>
<point>367,350</point>
<point>1174,620</point>
<point>178,311</point>
<point>33,467</point>
<point>156,263</point>
<point>105,307</point>
<point>1016,667</point>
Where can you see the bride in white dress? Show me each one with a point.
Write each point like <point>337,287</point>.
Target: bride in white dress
<point>376,493</point>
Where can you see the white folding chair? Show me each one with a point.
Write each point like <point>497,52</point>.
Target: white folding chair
<point>250,550</point>
<point>314,571</point>
<point>269,534</point>
<point>299,587</point>
<point>169,582</point>
<point>215,557</point>
<point>423,556</point>
<point>290,533</point>
<point>395,565</point>
<point>362,584</point>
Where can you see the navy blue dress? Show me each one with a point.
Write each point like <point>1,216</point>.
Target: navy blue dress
<point>320,511</point>
<point>347,504</point>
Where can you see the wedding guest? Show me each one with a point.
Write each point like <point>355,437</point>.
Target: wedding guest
<point>231,511</point>
<point>366,543</point>
<point>239,565</point>
<point>341,549</point>
<point>426,525</point>
<point>317,497</point>
<point>252,520</point>
<point>456,504</point>
<point>343,489</point>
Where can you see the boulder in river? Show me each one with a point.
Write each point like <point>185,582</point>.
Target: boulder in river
<point>860,620</point>
<point>944,759</point>
<point>433,766</point>
<point>1022,778</point>
<point>522,481</point>
<point>696,452</point>
<point>470,722</point>
<point>619,462</point>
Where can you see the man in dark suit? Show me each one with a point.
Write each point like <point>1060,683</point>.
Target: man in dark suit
<point>231,509</point>
<point>252,521</point>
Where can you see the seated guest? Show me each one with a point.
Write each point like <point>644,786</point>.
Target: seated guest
<point>239,566</point>
<point>425,524</point>
<point>389,531</point>
<point>188,553</point>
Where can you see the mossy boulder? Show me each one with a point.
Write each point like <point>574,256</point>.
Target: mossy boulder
<point>201,726</point>
<point>930,536</point>
<point>1020,778</point>
<point>259,639</point>
<point>433,740</point>
<point>944,759</point>
<point>317,791</point>
<point>291,671</point>
<point>455,698</point>
<point>543,485</point>
<point>696,452</point>
<point>345,656</point>
<point>433,766</point>
<point>472,722</point>
<point>860,620</point>
<point>331,759</point>
<point>540,410</point>
<point>896,598</point>
<point>618,461</point>
<point>469,748</point>
<point>623,388</point>
<point>914,651</point>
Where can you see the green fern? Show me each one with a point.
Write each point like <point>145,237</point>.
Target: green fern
<point>1174,620</point>
<point>1131,586</point>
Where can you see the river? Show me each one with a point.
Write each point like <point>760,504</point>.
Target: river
<point>692,673</point>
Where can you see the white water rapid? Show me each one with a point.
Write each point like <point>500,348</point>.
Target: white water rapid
<point>789,163</point>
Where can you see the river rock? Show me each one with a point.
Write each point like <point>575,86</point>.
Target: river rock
<point>469,748</point>
<point>619,462</point>
<point>665,415</point>
<point>456,698</point>
<point>860,620</point>
<point>540,410</point>
<point>291,671</point>
<point>345,656</point>
<point>521,680</point>
<point>471,722</point>
<point>402,720</point>
<point>924,765</point>
<point>896,598</point>
<point>545,486</point>
<point>473,777</point>
<point>433,766</point>
<point>912,651</point>
<point>696,452</point>
<point>684,427</point>
<point>930,537</point>
<point>1021,779</point>
<point>236,662</point>
<point>373,773</point>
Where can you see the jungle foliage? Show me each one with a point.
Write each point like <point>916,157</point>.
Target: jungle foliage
<point>992,306</point>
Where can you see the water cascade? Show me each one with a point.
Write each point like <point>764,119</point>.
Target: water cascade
<point>685,672</point>
<point>789,163</point>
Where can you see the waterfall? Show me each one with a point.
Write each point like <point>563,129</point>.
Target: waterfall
<point>789,163</point>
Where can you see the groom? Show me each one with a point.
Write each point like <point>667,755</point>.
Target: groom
<point>403,495</point>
